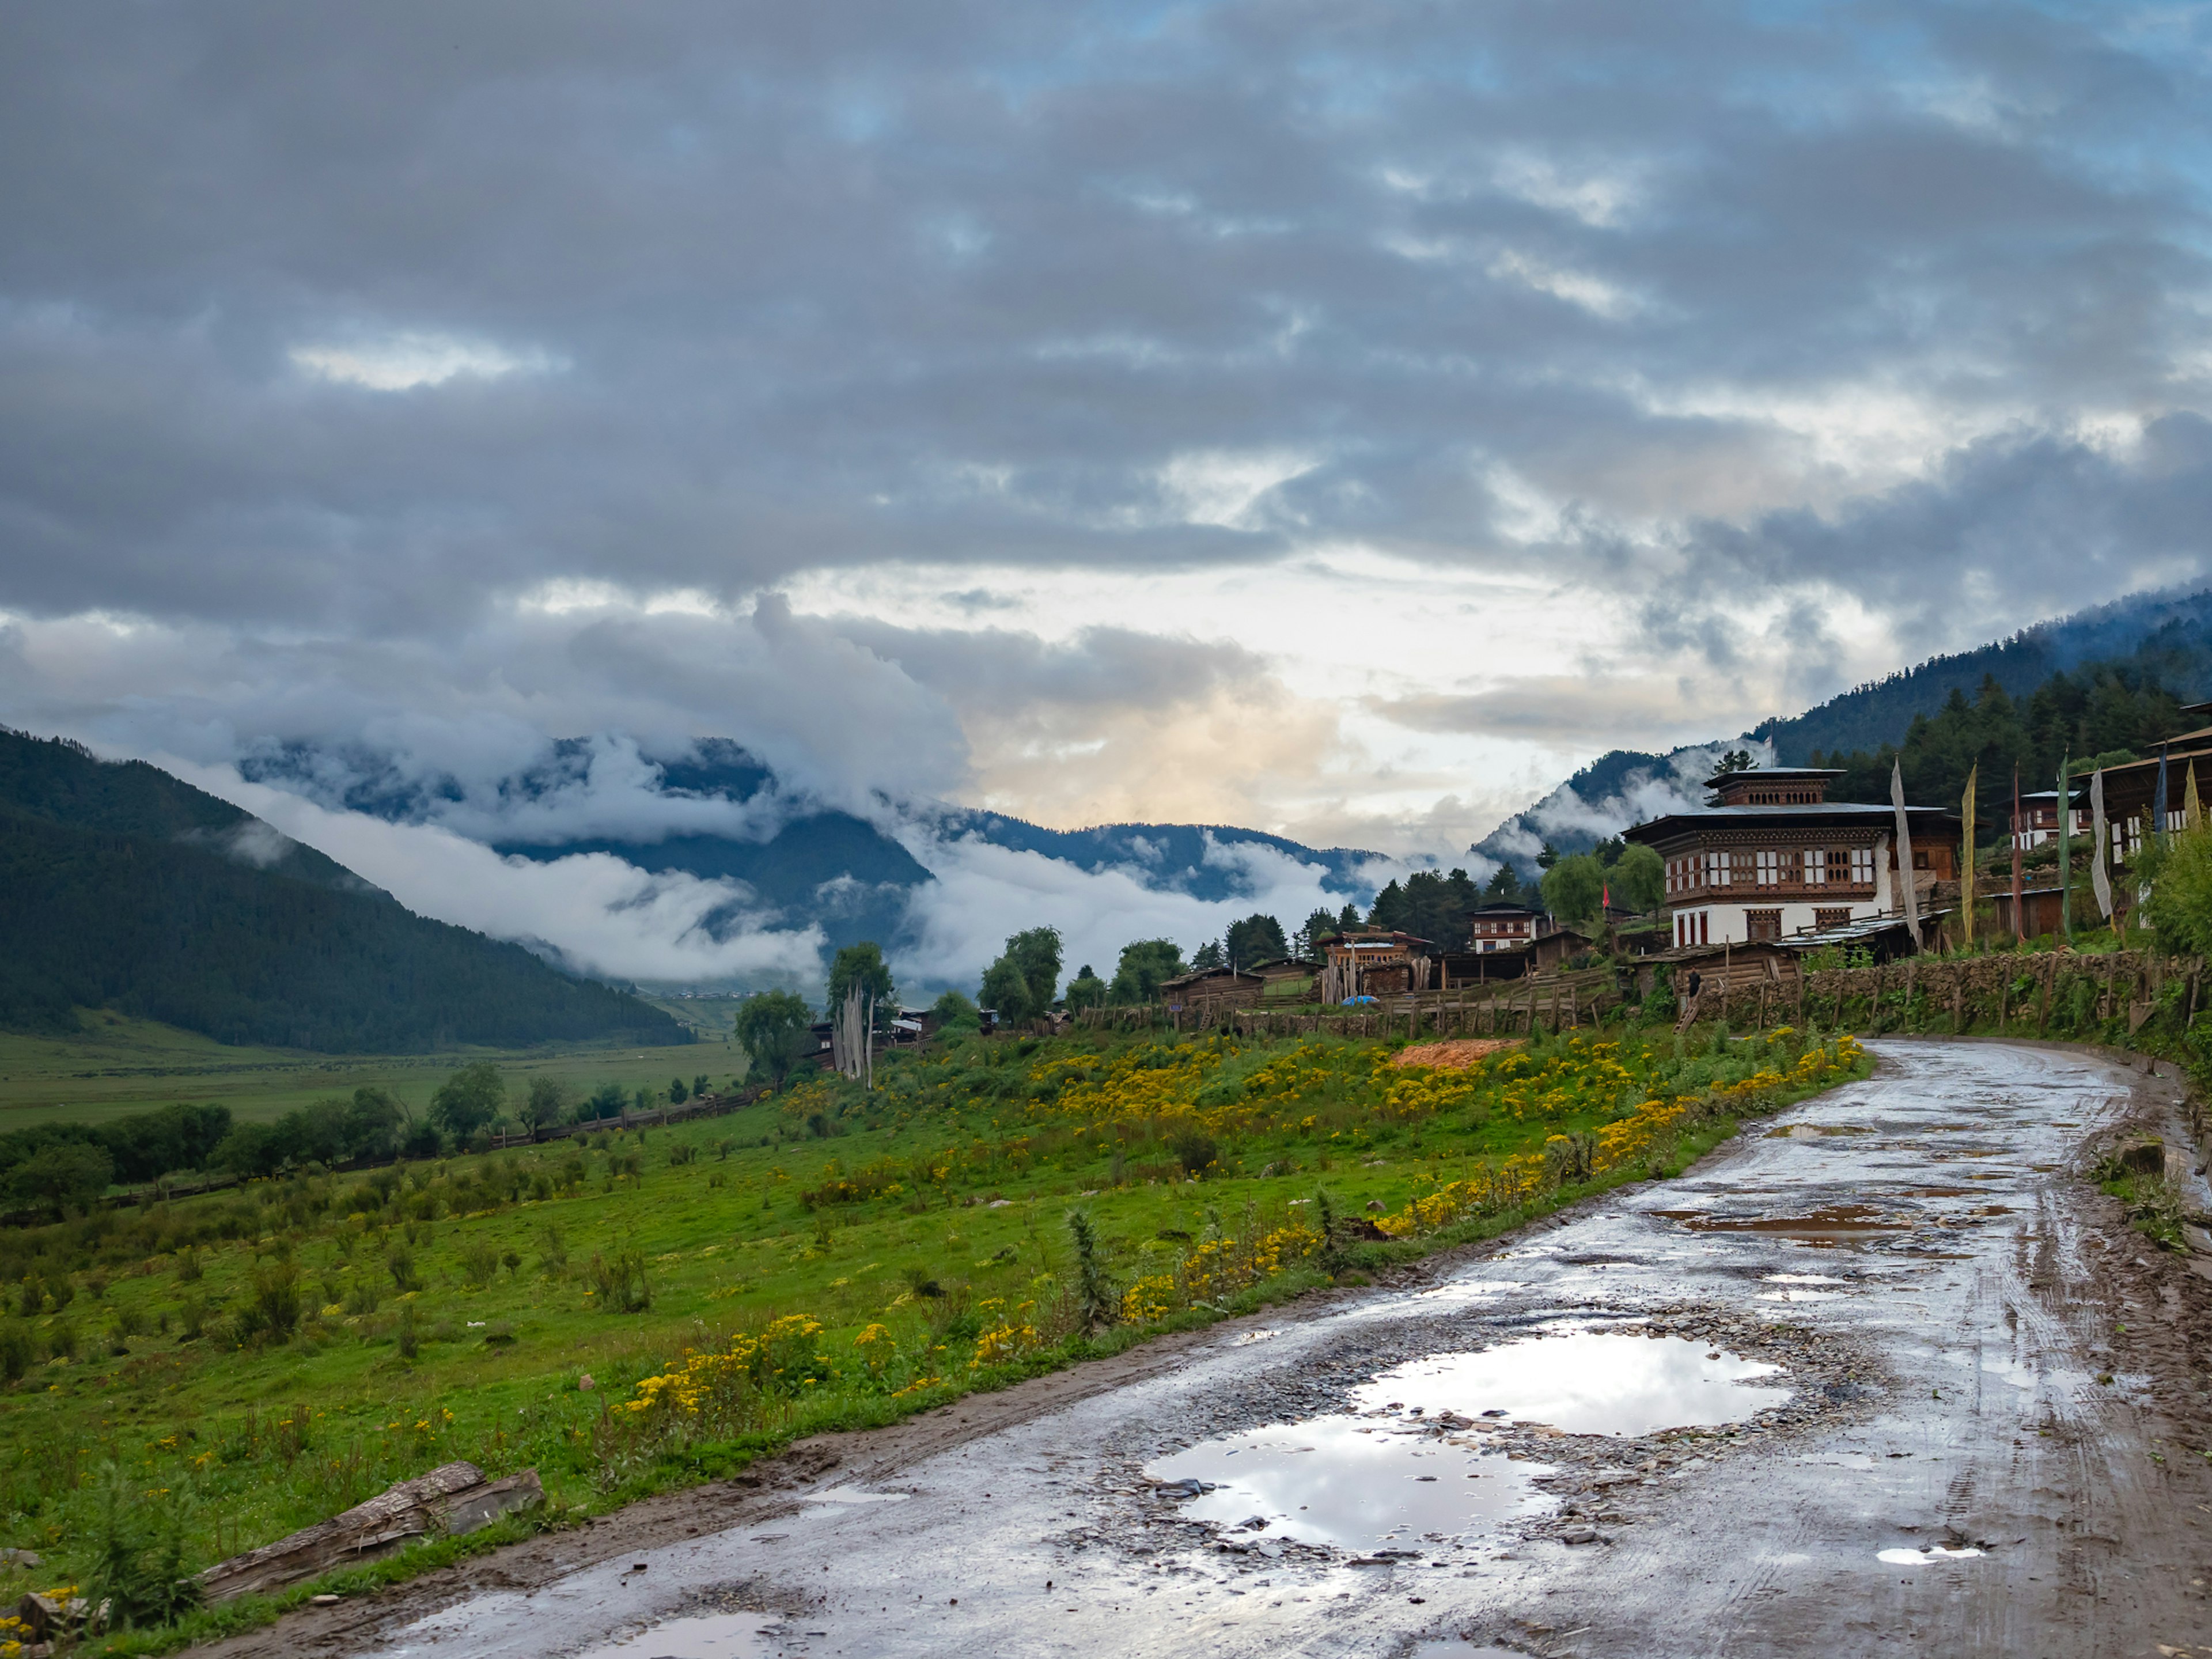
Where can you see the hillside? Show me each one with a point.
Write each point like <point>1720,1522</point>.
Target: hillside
<point>2167,637</point>
<point>123,887</point>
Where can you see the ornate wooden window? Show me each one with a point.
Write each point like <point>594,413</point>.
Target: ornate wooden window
<point>1862,865</point>
<point>1762,924</point>
<point>1766,866</point>
<point>1816,866</point>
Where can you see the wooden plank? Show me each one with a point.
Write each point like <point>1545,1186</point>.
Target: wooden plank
<point>453,1497</point>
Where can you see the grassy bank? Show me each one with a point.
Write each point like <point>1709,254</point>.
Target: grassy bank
<point>248,1363</point>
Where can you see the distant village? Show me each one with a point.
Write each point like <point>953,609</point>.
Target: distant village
<point>1769,878</point>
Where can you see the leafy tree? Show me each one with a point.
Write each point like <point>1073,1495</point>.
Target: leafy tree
<point>1608,851</point>
<point>608,1100</point>
<point>1548,857</point>
<point>142,1146</point>
<point>1504,888</point>
<point>1572,887</point>
<point>469,1100</point>
<point>1256,938</point>
<point>1086,990</point>
<point>1206,957</point>
<point>678,1092</point>
<point>955,1013</point>
<point>773,1029</point>
<point>860,965</point>
<point>374,1123</point>
<point>68,1175</point>
<point>546,1103</point>
<point>2179,872</point>
<point>1348,919</point>
<point>1736,760</point>
<point>1640,879</point>
<point>1145,963</point>
<point>1023,982</point>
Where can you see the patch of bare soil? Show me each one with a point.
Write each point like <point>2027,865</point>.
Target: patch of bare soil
<point>1453,1053</point>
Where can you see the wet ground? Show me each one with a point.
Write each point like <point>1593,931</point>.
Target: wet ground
<point>1885,1376</point>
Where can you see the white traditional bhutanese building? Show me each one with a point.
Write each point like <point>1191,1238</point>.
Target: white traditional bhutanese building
<point>2037,821</point>
<point>1506,927</point>
<point>1771,856</point>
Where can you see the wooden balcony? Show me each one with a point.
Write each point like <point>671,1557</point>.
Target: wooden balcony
<point>1748,891</point>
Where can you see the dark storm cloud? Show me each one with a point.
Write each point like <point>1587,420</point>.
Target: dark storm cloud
<point>837,283</point>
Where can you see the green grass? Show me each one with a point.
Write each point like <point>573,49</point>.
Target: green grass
<point>116,1065</point>
<point>969,1159</point>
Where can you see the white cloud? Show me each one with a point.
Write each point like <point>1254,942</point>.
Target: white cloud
<point>402,361</point>
<point>1593,294</point>
<point>597,913</point>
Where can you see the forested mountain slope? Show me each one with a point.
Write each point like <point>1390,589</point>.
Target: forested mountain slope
<point>123,887</point>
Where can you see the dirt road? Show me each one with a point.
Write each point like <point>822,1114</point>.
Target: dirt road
<point>1886,1376</point>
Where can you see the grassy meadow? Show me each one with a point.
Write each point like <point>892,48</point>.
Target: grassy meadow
<point>116,1065</point>
<point>636,1310</point>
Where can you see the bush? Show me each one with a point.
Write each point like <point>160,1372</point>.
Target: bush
<point>18,1352</point>
<point>138,1554</point>
<point>273,1309</point>
<point>619,1285</point>
<point>1096,1303</point>
<point>1195,1151</point>
<point>479,1263</point>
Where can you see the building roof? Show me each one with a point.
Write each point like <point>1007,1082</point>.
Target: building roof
<point>1778,774</point>
<point>1501,910</point>
<point>1182,980</point>
<point>1370,939</point>
<point>1838,813</point>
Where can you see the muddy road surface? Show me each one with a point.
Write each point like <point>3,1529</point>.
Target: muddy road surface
<point>1885,1376</point>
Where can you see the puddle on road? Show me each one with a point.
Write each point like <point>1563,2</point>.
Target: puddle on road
<point>1922,1558</point>
<point>854,1495</point>
<point>1837,1224</point>
<point>1588,1383</point>
<point>1352,1483</point>
<point>1814,1130</point>
<point>710,1636</point>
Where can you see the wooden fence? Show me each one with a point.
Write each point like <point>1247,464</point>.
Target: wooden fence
<point>1499,1008</point>
<point>2012,991</point>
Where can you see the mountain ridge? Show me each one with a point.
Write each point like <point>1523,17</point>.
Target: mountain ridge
<point>122,886</point>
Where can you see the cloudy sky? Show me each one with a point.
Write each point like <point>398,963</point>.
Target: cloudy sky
<point>1341,419</point>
